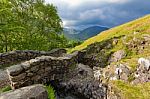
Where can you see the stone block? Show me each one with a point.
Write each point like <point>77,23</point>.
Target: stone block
<point>14,70</point>
<point>30,92</point>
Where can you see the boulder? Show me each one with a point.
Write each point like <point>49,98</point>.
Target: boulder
<point>142,73</point>
<point>144,63</point>
<point>120,71</point>
<point>83,84</point>
<point>31,92</point>
<point>15,70</point>
<point>4,78</point>
<point>118,56</point>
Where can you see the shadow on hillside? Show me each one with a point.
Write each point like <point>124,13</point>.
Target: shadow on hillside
<point>99,53</point>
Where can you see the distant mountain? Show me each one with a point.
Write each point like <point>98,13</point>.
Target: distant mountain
<point>83,34</point>
<point>71,33</point>
<point>90,32</point>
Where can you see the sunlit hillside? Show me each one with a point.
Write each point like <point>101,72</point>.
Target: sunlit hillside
<point>141,25</point>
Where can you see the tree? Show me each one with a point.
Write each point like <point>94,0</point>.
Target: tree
<point>29,24</point>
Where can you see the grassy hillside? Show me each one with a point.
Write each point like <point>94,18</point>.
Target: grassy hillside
<point>141,25</point>
<point>134,39</point>
<point>128,91</point>
<point>128,35</point>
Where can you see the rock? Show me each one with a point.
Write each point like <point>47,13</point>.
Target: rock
<point>97,73</point>
<point>30,92</point>
<point>84,70</point>
<point>142,73</point>
<point>42,69</point>
<point>113,78</point>
<point>26,65</point>
<point>58,52</point>
<point>115,41</point>
<point>82,83</point>
<point>4,79</point>
<point>146,37</point>
<point>145,63</point>
<point>118,56</point>
<point>18,56</point>
<point>124,77</point>
<point>14,70</point>
<point>118,71</point>
<point>125,69</point>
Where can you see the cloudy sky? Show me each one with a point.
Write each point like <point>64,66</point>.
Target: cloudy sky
<point>110,13</point>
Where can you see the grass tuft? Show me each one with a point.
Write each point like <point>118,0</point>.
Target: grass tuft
<point>51,92</point>
<point>7,88</point>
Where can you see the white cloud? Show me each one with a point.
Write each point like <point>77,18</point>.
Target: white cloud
<point>117,1</point>
<point>75,3</point>
<point>67,23</point>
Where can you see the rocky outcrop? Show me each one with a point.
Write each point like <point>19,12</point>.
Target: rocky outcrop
<point>83,84</point>
<point>40,70</point>
<point>17,56</point>
<point>30,92</point>
<point>118,56</point>
<point>142,73</point>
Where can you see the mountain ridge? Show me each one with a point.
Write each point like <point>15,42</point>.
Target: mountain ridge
<point>83,34</point>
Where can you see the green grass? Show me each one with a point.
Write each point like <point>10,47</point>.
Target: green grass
<point>129,91</point>
<point>51,92</point>
<point>7,88</point>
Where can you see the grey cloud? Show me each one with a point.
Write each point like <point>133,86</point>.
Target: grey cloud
<point>101,13</point>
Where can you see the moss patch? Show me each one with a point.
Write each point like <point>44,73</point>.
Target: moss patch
<point>7,88</point>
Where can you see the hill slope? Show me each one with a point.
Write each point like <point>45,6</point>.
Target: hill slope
<point>120,49</point>
<point>140,25</point>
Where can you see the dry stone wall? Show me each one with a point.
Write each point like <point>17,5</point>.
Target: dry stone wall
<point>17,56</point>
<point>41,70</point>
